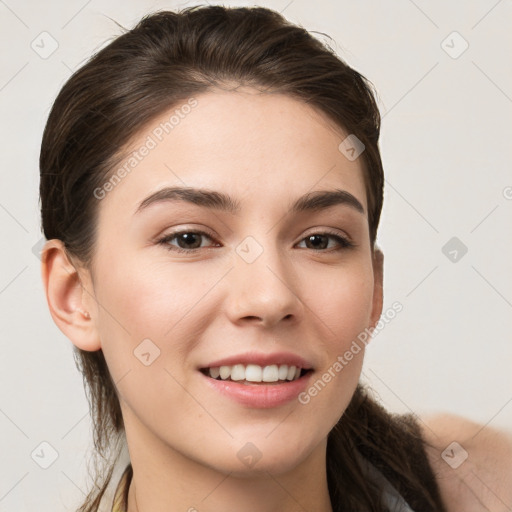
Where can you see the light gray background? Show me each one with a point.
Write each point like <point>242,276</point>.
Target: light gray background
<point>446,149</point>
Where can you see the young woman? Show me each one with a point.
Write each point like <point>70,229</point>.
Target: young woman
<point>211,188</point>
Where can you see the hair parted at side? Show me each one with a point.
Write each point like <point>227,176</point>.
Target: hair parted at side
<point>167,58</point>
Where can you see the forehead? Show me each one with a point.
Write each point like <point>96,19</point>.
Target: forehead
<point>258,147</point>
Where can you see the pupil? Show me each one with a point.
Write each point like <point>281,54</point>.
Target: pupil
<point>188,239</point>
<point>312,238</point>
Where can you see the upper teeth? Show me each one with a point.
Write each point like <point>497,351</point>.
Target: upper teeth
<point>255,373</point>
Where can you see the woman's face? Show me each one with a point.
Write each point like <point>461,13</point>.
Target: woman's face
<point>246,279</point>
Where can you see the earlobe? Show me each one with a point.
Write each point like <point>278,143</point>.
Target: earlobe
<point>378,285</point>
<point>64,293</point>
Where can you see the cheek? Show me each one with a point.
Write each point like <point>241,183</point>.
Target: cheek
<point>344,303</point>
<point>151,299</point>
<point>344,306</point>
<point>146,332</point>
<point>157,301</point>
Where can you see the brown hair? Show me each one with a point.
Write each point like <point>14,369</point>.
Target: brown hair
<point>167,58</point>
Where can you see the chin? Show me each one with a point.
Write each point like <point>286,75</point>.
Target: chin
<point>261,456</point>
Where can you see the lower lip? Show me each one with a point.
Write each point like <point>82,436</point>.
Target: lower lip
<point>262,396</point>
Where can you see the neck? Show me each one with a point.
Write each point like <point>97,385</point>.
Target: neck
<point>229,495</point>
<point>166,480</point>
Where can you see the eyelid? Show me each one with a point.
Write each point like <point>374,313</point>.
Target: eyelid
<point>327,231</point>
<point>184,228</point>
<point>163,240</point>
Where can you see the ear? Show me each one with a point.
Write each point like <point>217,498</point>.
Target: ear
<point>70,296</point>
<point>378,289</point>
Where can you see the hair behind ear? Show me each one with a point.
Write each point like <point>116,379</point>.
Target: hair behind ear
<point>378,285</point>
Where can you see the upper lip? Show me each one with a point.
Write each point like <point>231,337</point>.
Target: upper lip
<point>262,359</point>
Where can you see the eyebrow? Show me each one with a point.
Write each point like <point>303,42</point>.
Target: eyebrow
<point>312,201</point>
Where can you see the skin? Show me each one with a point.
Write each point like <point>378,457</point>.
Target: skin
<point>264,150</point>
<point>483,481</point>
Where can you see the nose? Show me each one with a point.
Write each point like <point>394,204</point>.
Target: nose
<point>264,292</point>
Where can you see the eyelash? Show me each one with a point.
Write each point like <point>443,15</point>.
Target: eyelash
<point>342,241</point>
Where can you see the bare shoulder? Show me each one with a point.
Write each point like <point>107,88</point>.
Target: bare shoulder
<point>472,463</point>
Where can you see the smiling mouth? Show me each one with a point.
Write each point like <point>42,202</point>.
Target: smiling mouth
<point>254,374</point>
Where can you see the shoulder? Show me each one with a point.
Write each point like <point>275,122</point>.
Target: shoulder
<point>472,463</point>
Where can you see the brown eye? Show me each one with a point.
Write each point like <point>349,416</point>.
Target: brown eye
<point>320,242</point>
<point>317,242</point>
<point>189,240</point>
<point>186,241</point>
